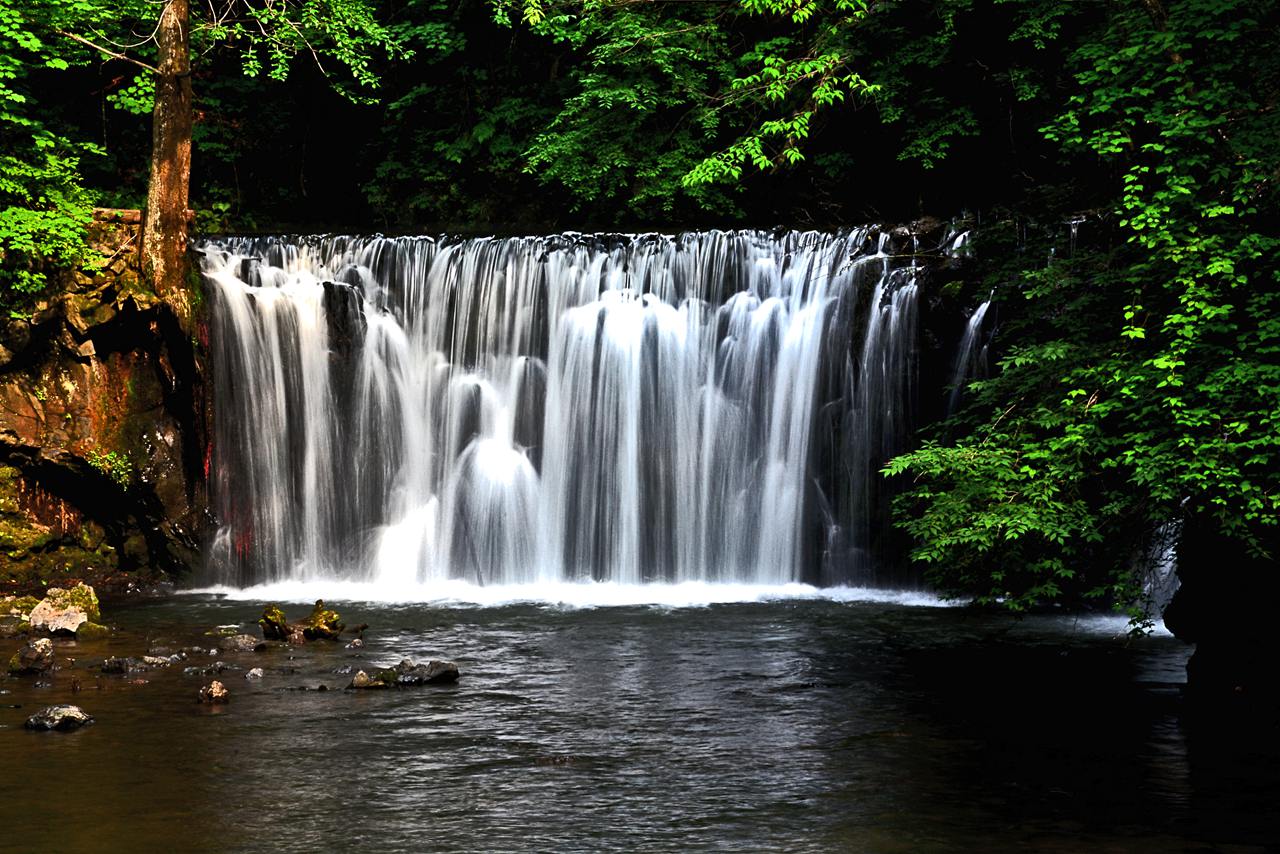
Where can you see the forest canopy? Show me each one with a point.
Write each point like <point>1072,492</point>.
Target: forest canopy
<point>1119,159</point>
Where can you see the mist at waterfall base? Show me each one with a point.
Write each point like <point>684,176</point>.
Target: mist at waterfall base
<point>585,419</point>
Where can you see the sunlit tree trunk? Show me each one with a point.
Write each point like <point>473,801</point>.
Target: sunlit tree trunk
<point>164,243</point>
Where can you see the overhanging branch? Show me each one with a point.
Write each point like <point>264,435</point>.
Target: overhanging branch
<point>111,53</point>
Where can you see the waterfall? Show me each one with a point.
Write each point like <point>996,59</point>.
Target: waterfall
<point>703,407</point>
<point>971,356</point>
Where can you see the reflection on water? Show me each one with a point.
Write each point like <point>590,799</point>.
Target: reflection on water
<point>798,725</point>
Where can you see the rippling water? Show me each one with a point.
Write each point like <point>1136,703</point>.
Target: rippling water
<point>798,724</point>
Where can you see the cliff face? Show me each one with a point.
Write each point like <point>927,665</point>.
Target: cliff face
<point>102,429</point>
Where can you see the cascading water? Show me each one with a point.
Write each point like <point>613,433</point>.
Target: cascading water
<point>971,356</point>
<point>707,407</point>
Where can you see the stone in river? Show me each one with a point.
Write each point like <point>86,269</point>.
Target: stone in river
<point>35,657</point>
<point>59,718</point>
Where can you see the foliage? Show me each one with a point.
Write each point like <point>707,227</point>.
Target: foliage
<point>114,464</point>
<point>44,209</point>
<point>1148,387</point>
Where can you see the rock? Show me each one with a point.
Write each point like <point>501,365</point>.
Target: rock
<point>223,631</point>
<point>255,673</point>
<point>11,626</point>
<point>355,644</point>
<point>433,672</point>
<point>64,611</point>
<point>124,665</point>
<point>364,680</point>
<point>214,692</point>
<point>89,630</point>
<point>61,718</point>
<point>321,624</point>
<point>35,657</point>
<point>275,626</point>
<point>407,674</point>
<point>18,606</point>
<point>239,643</point>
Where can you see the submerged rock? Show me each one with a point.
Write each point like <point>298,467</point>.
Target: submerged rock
<point>134,664</point>
<point>255,673</point>
<point>62,718</point>
<point>239,643</point>
<point>35,657</point>
<point>214,692</point>
<point>64,611</point>
<point>408,674</point>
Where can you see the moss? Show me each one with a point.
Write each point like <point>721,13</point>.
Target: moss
<point>275,626</point>
<point>18,604</point>
<point>91,630</point>
<point>322,623</point>
<point>81,596</point>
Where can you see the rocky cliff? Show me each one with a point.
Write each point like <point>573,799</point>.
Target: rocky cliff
<point>102,428</point>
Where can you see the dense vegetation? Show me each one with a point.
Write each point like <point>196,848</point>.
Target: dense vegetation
<point>1119,155</point>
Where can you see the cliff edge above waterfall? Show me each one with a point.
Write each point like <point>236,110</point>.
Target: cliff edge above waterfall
<point>101,429</point>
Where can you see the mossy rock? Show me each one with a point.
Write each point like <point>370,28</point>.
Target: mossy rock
<point>18,604</point>
<point>92,630</point>
<point>322,623</point>
<point>275,626</point>
<point>81,596</point>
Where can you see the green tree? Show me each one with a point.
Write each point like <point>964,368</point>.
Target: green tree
<point>160,41</point>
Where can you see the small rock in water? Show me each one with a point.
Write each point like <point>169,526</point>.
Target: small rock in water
<point>343,670</point>
<point>255,673</point>
<point>35,657</point>
<point>408,674</point>
<point>355,644</point>
<point>238,643</point>
<point>364,680</point>
<point>59,718</point>
<point>133,664</point>
<point>214,692</point>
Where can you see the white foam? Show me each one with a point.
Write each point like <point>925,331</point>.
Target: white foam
<point>563,594</point>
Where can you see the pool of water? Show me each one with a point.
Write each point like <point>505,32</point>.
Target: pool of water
<point>796,724</point>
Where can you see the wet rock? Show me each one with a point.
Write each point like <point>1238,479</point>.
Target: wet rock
<point>215,669</point>
<point>12,626</point>
<point>130,664</point>
<point>61,718</point>
<point>432,672</point>
<point>407,674</point>
<point>90,630</point>
<point>17,606</point>
<point>364,680</point>
<point>214,692</point>
<point>255,673</point>
<point>321,624</point>
<point>223,631</point>
<point>343,670</point>
<point>35,657</point>
<point>355,644</point>
<point>62,612</point>
<point>275,626</point>
<point>239,643</point>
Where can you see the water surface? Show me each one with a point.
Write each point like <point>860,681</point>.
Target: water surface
<point>796,724</point>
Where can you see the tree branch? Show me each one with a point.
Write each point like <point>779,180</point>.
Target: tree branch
<point>111,53</point>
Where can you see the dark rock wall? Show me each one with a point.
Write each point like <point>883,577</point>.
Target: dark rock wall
<point>102,429</point>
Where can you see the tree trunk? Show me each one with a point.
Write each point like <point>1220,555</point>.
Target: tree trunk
<point>164,242</point>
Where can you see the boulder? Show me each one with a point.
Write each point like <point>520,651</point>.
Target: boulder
<point>214,692</point>
<point>239,643</point>
<point>255,673</point>
<point>64,611</point>
<point>62,718</point>
<point>35,657</point>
